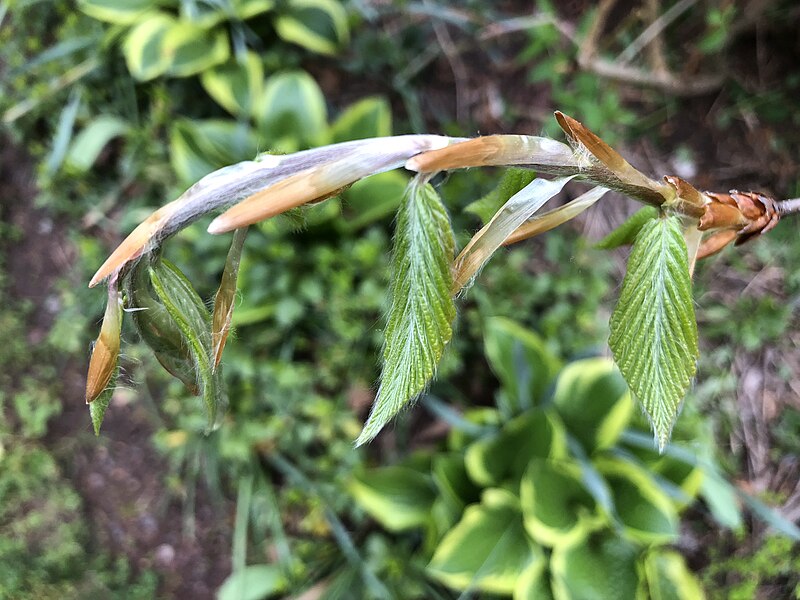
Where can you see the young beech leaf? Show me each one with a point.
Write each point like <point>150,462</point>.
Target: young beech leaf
<point>193,319</point>
<point>519,208</point>
<point>224,300</point>
<point>653,328</point>
<point>422,309</point>
<point>626,233</point>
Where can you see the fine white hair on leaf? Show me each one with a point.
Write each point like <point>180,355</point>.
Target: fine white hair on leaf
<point>419,323</point>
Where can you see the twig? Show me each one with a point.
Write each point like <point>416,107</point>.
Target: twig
<point>653,31</point>
<point>788,207</point>
<point>460,74</point>
<point>667,81</point>
<point>507,26</point>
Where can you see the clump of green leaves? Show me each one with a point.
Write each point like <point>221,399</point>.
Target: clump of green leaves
<point>542,495</point>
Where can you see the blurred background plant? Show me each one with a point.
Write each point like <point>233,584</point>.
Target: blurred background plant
<point>114,108</point>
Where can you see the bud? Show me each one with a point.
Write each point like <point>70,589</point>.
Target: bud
<point>105,353</point>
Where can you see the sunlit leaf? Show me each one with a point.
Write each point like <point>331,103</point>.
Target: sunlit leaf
<point>143,46</point>
<point>626,233</point>
<point>556,506</point>
<point>397,497</point>
<point>236,86</point>
<point>119,12</point>
<point>488,549</point>
<point>534,583</point>
<point>370,117</point>
<point>318,25</point>
<point>667,577</point>
<point>653,328</point>
<point>253,582</point>
<point>191,49</point>
<point>593,401</point>
<point>422,309</point>
<point>513,214</point>
<point>602,565</point>
<point>504,456</point>
<point>291,108</point>
<point>520,360</point>
<point>646,512</point>
<point>87,145</point>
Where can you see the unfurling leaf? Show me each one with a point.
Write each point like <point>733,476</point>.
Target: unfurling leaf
<point>514,213</point>
<point>626,233</point>
<point>158,329</point>
<point>653,328</point>
<point>192,318</point>
<point>422,309</point>
<point>551,219</point>
<point>223,302</point>
<point>514,179</point>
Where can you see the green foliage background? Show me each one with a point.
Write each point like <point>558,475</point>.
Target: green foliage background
<point>121,109</point>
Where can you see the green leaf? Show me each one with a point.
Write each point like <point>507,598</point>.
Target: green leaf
<point>97,408</point>
<point>593,401</point>
<point>367,118</point>
<point>372,199</point>
<point>488,549</point>
<point>397,497</point>
<point>647,514</point>
<point>456,490</point>
<point>505,456</point>
<point>199,147</point>
<point>143,46</point>
<point>534,583</point>
<point>422,309</point>
<point>512,181</point>
<point>88,144</point>
<point>157,328</point>
<point>317,25</point>
<point>653,328</point>
<point>191,49</point>
<point>236,86</point>
<point>120,12</point>
<point>247,9</point>
<point>668,578</point>
<point>627,232</point>
<point>520,360</point>
<point>254,582</point>
<point>193,319</point>
<point>292,109</point>
<point>601,566</point>
<point>555,504</point>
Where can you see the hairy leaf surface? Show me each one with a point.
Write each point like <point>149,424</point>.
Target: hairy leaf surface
<point>653,327</point>
<point>422,309</point>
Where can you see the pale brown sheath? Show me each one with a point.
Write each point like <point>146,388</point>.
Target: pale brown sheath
<point>302,177</point>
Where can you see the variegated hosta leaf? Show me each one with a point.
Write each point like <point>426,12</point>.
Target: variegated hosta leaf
<point>422,309</point>
<point>653,327</point>
<point>514,213</point>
